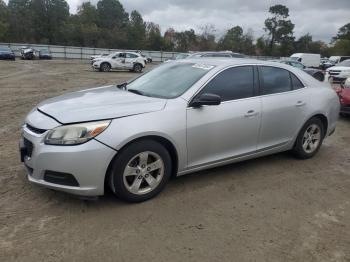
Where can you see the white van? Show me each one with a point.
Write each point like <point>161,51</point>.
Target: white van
<point>308,60</point>
<point>337,59</point>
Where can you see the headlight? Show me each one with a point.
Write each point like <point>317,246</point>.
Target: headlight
<point>75,134</point>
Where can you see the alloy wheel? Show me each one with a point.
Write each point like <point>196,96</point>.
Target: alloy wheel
<point>311,138</point>
<point>143,173</point>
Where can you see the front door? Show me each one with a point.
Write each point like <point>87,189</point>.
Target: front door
<point>118,61</point>
<point>217,133</point>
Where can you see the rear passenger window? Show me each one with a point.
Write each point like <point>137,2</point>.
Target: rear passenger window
<point>233,83</point>
<point>297,84</point>
<point>274,80</point>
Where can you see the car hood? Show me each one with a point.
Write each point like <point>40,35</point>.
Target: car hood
<point>341,68</point>
<point>99,103</point>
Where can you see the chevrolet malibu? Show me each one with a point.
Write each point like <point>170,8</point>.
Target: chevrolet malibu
<point>181,117</point>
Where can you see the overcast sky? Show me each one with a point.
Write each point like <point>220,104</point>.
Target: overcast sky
<point>320,18</point>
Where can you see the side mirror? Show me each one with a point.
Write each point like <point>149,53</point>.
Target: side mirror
<point>206,99</point>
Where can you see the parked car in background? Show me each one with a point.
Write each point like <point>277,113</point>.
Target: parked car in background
<point>339,73</point>
<point>337,59</point>
<point>45,54</point>
<point>181,56</point>
<point>325,63</point>
<point>316,73</point>
<point>99,56</point>
<point>227,54</point>
<point>27,53</point>
<point>120,60</point>
<point>307,59</point>
<point>178,57</point>
<point>7,54</point>
<point>147,58</point>
<point>344,97</point>
<point>183,116</point>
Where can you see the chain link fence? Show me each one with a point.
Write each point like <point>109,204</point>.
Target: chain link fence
<point>74,52</point>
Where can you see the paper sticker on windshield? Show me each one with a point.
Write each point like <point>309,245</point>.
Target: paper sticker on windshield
<point>203,66</point>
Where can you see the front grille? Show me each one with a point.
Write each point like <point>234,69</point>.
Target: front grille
<point>28,146</point>
<point>35,130</point>
<point>334,72</point>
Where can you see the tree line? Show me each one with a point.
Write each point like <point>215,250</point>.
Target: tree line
<point>108,25</point>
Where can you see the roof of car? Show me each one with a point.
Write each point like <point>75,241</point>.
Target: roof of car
<point>222,61</point>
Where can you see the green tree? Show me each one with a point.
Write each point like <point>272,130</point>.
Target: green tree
<point>261,46</point>
<point>154,40</point>
<point>343,33</point>
<point>111,14</point>
<point>341,42</point>
<point>280,30</point>
<point>86,25</point>
<point>20,21</point>
<point>136,31</point>
<point>235,40</point>
<point>169,39</point>
<point>232,40</point>
<point>48,18</point>
<point>3,20</point>
<point>206,40</point>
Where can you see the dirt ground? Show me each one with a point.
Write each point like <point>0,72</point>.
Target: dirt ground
<point>274,208</point>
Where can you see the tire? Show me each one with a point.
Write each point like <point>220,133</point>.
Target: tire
<point>308,141</point>
<point>137,68</point>
<point>131,179</point>
<point>105,67</point>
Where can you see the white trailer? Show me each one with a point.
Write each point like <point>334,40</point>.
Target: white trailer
<point>307,59</point>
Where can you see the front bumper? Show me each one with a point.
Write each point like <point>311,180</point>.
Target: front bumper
<point>95,66</point>
<point>87,163</point>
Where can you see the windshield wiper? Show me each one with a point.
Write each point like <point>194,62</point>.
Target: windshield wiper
<point>138,92</point>
<point>122,86</point>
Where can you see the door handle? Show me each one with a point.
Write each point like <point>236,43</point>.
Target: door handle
<point>300,103</point>
<point>251,113</point>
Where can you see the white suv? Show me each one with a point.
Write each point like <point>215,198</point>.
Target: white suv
<point>120,60</point>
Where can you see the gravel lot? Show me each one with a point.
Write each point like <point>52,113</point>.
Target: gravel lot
<point>274,208</point>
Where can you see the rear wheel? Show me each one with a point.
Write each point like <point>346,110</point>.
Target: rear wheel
<point>310,139</point>
<point>105,67</point>
<point>140,171</point>
<point>137,68</point>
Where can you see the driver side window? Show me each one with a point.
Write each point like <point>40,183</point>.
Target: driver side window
<point>233,83</point>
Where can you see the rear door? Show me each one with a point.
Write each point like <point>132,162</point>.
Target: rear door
<point>129,60</point>
<point>284,102</point>
<point>216,133</point>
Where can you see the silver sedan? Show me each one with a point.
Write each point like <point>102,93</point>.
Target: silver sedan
<point>181,117</point>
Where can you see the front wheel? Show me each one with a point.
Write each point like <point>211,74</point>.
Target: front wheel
<point>310,139</point>
<point>140,171</point>
<point>105,67</point>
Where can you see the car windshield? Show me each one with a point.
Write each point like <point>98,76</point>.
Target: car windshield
<point>45,51</point>
<point>294,58</point>
<point>345,63</point>
<point>169,80</point>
